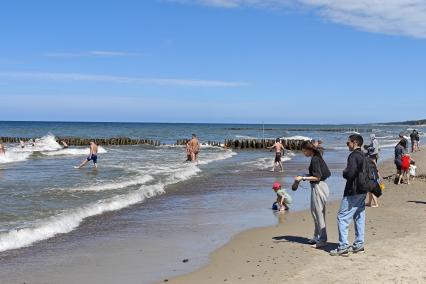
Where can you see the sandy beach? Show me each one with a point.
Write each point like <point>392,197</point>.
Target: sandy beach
<point>395,251</point>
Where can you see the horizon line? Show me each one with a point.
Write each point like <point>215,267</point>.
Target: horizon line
<point>241,123</point>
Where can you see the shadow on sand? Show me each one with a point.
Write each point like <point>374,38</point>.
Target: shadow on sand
<point>416,201</point>
<point>301,240</point>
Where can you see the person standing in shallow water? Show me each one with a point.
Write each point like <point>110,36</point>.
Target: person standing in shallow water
<point>279,150</point>
<point>93,156</point>
<point>318,173</point>
<point>2,149</point>
<point>193,147</point>
<point>352,206</point>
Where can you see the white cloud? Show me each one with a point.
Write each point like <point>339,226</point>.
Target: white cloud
<point>395,17</point>
<point>119,79</point>
<point>92,53</point>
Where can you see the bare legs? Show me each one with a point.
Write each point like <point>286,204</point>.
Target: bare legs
<point>404,173</point>
<point>372,200</point>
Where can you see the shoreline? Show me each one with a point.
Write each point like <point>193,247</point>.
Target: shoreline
<point>394,254</point>
<point>121,260</point>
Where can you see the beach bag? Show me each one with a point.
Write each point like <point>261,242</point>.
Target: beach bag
<point>413,170</point>
<point>369,179</point>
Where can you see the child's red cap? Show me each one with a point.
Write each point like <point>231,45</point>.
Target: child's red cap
<point>276,186</point>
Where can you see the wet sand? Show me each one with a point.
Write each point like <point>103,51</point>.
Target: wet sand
<point>395,247</point>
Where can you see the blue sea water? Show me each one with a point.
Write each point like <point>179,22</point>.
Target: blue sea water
<point>42,197</point>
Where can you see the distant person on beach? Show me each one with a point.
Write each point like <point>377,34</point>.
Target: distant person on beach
<point>318,173</point>
<point>2,149</point>
<point>399,152</point>
<point>64,145</point>
<point>372,151</point>
<point>193,147</point>
<point>93,156</point>
<point>418,141</point>
<point>414,137</point>
<point>279,150</point>
<point>283,198</point>
<point>374,146</point>
<point>22,144</point>
<point>352,206</point>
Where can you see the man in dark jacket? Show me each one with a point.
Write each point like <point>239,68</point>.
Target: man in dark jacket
<point>353,202</point>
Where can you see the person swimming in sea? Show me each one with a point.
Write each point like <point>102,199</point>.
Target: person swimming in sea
<point>64,145</point>
<point>93,156</point>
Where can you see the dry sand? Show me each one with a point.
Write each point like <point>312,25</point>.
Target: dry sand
<point>395,245</point>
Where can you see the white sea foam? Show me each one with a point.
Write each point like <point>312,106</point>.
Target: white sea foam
<point>114,185</point>
<point>73,152</point>
<point>246,137</point>
<point>223,155</point>
<point>12,156</point>
<point>181,174</point>
<point>352,132</point>
<point>71,219</point>
<point>298,137</point>
<point>45,143</point>
<point>264,163</point>
<point>68,221</point>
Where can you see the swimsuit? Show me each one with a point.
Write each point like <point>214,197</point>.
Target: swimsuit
<point>277,157</point>
<point>93,158</point>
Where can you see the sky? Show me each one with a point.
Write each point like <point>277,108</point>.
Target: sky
<point>213,61</point>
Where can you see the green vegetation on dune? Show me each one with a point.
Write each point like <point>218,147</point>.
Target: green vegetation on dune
<point>409,122</point>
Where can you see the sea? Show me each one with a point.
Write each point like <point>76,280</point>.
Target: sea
<point>175,210</point>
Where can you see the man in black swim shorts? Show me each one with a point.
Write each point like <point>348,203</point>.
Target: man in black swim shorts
<point>279,148</point>
<point>93,156</point>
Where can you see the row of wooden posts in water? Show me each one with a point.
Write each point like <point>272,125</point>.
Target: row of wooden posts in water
<point>247,144</point>
<point>243,144</point>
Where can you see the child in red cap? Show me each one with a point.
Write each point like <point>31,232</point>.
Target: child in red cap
<point>283,198</point>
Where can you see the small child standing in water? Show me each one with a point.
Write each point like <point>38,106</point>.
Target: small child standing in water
<point>283,198</point>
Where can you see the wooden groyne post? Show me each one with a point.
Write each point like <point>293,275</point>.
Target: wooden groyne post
<point>289,144</point>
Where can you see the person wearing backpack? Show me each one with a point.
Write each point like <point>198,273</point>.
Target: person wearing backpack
<point>318,173</point>
<point>352,206</point>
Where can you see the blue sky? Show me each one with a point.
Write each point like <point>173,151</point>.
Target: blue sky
<point>248,61</point>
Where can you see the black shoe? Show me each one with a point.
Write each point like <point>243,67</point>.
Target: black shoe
<point>357,249</point>
<point>340,252</point>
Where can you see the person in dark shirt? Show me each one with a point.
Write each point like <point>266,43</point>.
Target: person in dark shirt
<point>318,173</point>
<point>414,137</point>
<point>352,205</point>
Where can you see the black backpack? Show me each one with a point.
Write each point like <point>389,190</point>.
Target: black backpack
<point>368,177</point>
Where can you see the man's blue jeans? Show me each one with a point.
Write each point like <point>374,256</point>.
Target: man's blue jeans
<point>351,207</point>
